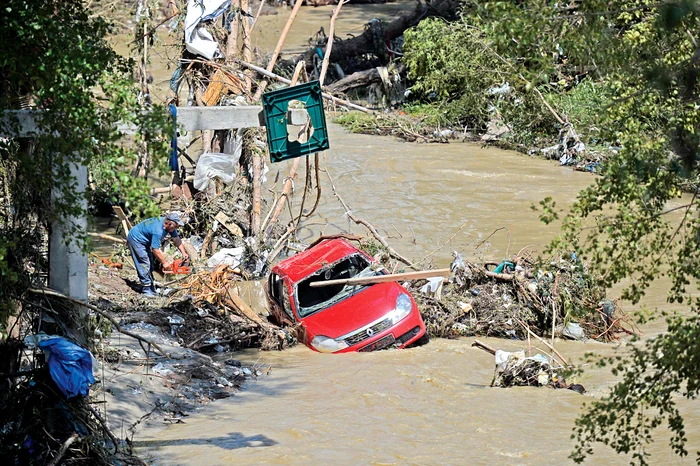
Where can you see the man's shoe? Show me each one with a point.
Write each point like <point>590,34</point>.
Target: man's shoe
<point>149,292</point>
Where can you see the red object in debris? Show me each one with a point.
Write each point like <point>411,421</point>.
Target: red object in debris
<point>342,318</point>
<point>179,267</point>
<point>113,265</point>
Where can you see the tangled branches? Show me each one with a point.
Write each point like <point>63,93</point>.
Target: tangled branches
<point>560,296</point>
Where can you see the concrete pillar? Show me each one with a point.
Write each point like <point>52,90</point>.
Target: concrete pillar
<point>68,264</point>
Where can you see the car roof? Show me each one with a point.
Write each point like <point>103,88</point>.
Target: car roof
<point>301,265</point>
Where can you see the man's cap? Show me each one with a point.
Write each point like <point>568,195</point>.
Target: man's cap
<point>175,217</point>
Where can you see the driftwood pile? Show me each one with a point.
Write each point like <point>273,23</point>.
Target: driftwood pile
<point>219,319</point>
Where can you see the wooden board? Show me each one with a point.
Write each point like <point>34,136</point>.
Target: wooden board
<point>227,223</point>
<point>394,277</point>
<point>23,123</point>
<point>235,301</point>
<point>126,224</point>
<point>221,84</point>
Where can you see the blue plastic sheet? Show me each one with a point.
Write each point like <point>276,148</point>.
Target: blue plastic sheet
<point>70,366</point>
<point>173,140</point>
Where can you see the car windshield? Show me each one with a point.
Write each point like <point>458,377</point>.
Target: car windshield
<point>314,299</point>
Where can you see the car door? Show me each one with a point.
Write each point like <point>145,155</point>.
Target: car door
<point>279,299</point>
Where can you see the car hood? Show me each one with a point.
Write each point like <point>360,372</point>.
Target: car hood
<point>355,312</point>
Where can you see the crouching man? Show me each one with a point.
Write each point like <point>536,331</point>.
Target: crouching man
<point>145,241</point>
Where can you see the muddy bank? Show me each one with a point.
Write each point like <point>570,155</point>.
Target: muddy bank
<point>140,386</point>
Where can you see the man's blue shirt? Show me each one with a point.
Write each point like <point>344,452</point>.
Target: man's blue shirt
<point>150,232</point>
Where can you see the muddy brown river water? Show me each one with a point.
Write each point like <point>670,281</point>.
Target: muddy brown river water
<point>424,406</point>
<point>430,405</point>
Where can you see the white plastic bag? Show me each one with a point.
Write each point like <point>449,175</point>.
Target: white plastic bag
<point>197,39</point>
<point>214,165</point>
<point>229,256</point>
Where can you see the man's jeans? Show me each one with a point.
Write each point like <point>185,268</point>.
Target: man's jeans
<point>143,260</point>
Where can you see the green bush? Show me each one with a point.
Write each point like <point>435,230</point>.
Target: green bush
<point>451,66</point>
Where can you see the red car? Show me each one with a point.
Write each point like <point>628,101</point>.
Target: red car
<point>342,318</point>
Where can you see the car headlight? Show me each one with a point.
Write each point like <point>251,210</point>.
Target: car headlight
<point>325,344</point>
<point>403,308</point>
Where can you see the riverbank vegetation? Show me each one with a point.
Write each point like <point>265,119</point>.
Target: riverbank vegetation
<point>57,64</point>
<point>624,74</point>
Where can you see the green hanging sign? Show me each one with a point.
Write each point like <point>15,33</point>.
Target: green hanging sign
<point>311,137</point>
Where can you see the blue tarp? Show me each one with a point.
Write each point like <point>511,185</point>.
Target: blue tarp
<point>173,141</point>
<point>70,366</point>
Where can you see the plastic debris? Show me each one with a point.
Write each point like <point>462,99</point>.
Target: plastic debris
<point>197,39</point>
<point>175,322</point>
<point>31,341</point>
<point>196,242</point>
<point>214,165</point>
<point>574,331</point>
<point>70,366</point>
<point>432,285</point>
<point>503,89</point>
<point>504,267</point>
<point>228,256</point>
<point>514,369</point>
<point>160,369</point>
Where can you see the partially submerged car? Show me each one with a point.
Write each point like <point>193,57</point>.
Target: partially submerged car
<point>341,318</point>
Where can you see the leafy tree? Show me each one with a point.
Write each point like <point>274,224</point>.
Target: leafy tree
<point>640,220</point>
<point>636,223</point>
<point>57,62</point>
<point>472,73</point>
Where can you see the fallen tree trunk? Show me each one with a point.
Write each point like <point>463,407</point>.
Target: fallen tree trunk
<point>360,79</point>
<point>365,42</point>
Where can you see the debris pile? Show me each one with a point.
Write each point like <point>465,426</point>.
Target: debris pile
<point>559,297</point>
<point>517,369</point>
<point>220,320</point>
<point>195,377</point>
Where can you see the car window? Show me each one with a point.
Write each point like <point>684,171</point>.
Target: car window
<point>314,299</point>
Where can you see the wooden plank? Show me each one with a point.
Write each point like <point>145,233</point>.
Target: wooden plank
<point>244,116</point>
<point>226,222</point>
<point>107,237</point>
<point>199,118</point>
<point>394,277</point>
<point>221,84</point>
<point>215,90</point>
<point>126,224</point>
